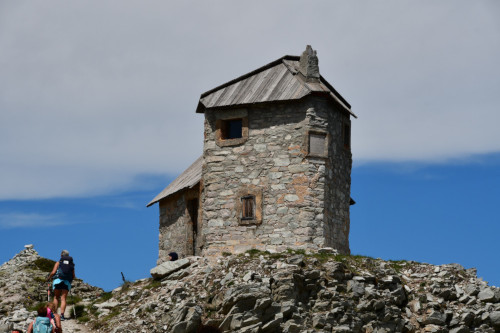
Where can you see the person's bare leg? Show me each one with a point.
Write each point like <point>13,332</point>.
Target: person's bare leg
<point>30,328</point>
<point>63,300</point>
<point>57,319</point>
<point>57,295</point>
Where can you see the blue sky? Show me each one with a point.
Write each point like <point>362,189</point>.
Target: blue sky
<point>97,116</point>
<point>437,214</point>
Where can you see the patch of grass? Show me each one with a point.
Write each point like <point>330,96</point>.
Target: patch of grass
<point>40,279</point>
<point>80,311</point>
<point>125,286</point>
<point>276,255</point>
<point>35,306</point>
<point>254,252</point>
<point>98,324</point>
<point>72,299</point>
<point>226,254</point>
<point>83,319</point>
<point>104,297</point>
<point>45,265</point>
<point>296,251</point>
<point>153,284</point>
<point>115,312</point>
<point>397,265</point>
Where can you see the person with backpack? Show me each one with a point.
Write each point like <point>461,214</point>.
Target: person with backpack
<point>41,324</point>
<point>63,273</point>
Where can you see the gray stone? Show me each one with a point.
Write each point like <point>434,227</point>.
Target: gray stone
<point>460,329</point>
<point>273,325</point>
<point>357,288</point>
<point>435,318</point>
<point>168,268</point>
<point>495,319</point>
<point>486,295</point>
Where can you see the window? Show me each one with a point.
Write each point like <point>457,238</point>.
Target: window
<point>248,207</point>
<point>231,129</point>
<point>231,132</point>
<point>347,136</point>
<point>317,143</point>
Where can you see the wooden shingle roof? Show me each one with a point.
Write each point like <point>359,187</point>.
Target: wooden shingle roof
<point>188,179</point>
<point>280,80</point>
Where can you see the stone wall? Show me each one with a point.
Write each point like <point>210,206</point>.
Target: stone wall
<point>176,225</point>
<point>294,186</point>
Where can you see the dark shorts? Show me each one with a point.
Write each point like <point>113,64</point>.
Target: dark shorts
<point>61,286</point>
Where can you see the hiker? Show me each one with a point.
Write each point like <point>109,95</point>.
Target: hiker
<point>172,256</point>
<point>55,318</point>
<point>41,324</point>
<point>63,273</point>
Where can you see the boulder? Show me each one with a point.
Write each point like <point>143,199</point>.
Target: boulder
<point>168,268</point>
<point>495,319</point>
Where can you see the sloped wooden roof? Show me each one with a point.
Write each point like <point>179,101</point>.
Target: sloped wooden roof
<point>188,179</point>
<point>280,80</point>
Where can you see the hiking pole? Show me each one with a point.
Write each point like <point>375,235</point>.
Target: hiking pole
<point>48,288</point>
<point>74,310</point>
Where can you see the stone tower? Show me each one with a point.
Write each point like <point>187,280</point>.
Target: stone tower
<point>276,161</point>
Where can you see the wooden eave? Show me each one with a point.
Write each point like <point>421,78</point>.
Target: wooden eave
<point>188,179</point>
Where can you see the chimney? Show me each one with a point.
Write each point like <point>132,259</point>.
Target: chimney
<point>309,65</point>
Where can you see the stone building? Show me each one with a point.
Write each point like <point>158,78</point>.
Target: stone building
<point>275,171</point>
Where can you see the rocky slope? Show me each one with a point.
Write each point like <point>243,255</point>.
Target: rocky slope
<point>297,292</point>
<point>23,289</point>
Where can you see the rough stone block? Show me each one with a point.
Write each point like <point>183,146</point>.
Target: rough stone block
<point>168,268</point>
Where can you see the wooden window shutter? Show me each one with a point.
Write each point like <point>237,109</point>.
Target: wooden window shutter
<point>248,207</point>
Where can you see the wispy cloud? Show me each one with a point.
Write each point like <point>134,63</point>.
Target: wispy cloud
<point>30,220</point>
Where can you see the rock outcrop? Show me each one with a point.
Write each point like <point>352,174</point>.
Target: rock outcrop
<point>290,292</point>
<point>317,292</point>
<point>23,287</point>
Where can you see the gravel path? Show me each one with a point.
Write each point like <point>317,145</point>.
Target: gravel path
<point>72,325</point>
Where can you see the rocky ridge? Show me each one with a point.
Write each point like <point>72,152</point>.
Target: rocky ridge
<point>294,292</point>
<point>23,288</point>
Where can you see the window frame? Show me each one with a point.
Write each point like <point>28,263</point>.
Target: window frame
<point>254,193</point>
<point>220,131</point>
<point>325,146</point>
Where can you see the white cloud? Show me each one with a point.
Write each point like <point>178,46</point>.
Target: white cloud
<point>93,93</point>
<point>30,220</point>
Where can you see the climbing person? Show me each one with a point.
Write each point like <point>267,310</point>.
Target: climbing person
<point>63,273</point>
<point>41,324</point>
<point>172,256</point>
<point>55,318</point>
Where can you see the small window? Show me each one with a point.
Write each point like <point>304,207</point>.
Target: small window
<point>347,136</point>
<point>317,143</point>
<point>248,207</point>
<point>231,132</point>
<point>232,129</point>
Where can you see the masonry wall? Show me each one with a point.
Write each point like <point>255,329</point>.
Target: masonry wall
<point>337,175</point>
<point>274,160</point>
<point>176,225</point>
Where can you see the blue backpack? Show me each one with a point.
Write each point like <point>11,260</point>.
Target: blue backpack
<point>42,325</point>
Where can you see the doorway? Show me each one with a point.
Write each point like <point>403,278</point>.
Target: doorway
<point>192,207</point>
